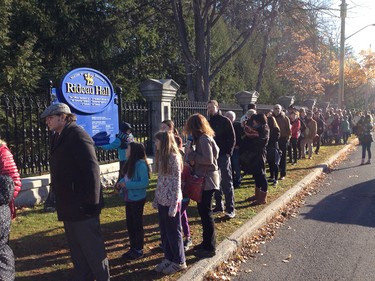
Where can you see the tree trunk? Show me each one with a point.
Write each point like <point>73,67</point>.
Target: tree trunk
<point>266,39</point>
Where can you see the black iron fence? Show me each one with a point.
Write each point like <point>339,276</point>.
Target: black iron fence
<point>28,137</point>
<point>181,110</point>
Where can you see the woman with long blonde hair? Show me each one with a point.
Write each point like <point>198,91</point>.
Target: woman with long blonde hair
<point>203,157</point>
<point>168,196</point>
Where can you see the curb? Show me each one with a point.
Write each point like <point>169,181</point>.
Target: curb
<point>226,248</point>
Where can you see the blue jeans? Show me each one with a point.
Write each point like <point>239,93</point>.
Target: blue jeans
<point>171,235</point>
<point>226,186</point>
<point>235,159</point>
<point>366,147</point>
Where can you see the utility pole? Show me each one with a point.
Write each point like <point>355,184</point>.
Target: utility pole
<point>341,99</point>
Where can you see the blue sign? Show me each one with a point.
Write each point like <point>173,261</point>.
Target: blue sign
<point>90,96</point>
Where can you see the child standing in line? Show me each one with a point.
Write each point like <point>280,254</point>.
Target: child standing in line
<point>168,126</point>
<point>136,173</point>
<point>121,142</point>
<point>168,196</point>
<point>7,269</point>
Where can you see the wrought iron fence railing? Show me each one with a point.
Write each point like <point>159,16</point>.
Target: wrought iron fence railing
<point>28,137</point>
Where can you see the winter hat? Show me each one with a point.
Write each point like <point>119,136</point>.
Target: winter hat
<point>125,126</point>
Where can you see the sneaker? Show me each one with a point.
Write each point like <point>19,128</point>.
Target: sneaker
<point>174,267</point>
<point>368,161</point>
<point>132,255</point>
<point>187,243</point>
<point>216,211</point>
<point>230,215</point>
<point>275,182</point>
<point>50,209</point>
<point>203,253</point>
<point>282,178</point>
<point>163,265</point>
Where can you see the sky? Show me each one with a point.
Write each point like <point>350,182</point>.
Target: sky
<point>360,13</point>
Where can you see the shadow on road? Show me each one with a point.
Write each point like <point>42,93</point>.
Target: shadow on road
<point>353,205</point>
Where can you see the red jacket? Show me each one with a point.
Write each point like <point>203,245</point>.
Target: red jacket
<point>8,167</point>
<point>295,127</point>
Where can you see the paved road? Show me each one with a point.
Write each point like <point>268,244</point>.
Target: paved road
<point>333,236</point>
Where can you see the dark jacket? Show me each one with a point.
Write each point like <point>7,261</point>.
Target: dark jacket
<point>75,175</point>
<point>253,151</point>
<point>7,269</point>
<point>224,133</point>
<point>238,130</point>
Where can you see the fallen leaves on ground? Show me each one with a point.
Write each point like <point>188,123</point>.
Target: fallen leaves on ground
<point>250,248</point>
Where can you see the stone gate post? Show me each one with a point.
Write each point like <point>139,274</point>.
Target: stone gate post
<point>160,93</point>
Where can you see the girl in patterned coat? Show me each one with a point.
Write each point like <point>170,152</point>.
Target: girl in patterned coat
<point>168,196</point>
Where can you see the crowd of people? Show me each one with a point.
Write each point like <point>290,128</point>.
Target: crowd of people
<point>220,149</point>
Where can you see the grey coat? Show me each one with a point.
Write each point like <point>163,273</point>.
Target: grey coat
<point>205,161</point>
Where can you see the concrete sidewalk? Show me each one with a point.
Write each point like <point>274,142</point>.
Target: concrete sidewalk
<point>230,244</point>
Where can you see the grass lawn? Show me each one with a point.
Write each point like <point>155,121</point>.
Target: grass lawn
<point>40,247</point>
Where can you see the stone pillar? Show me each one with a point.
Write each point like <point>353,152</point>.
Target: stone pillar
<point>160,93</point>
<point>245,97</point>
<point>286,101</point>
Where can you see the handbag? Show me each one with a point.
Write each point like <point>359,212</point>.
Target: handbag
<point>192,185</point>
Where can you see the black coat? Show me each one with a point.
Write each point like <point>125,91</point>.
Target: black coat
<point>7,269</point>
<point>75,175</point>
<point>253,151</point>
<point>225,136</point>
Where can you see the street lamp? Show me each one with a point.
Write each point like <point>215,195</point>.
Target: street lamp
<point>342,53</point>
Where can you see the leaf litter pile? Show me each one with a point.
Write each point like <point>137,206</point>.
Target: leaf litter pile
<point>250,247</point>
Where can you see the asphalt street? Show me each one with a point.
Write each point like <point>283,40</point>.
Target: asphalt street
<point>331,238</point>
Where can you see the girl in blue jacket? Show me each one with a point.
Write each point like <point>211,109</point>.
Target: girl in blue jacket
<point>133,186</point>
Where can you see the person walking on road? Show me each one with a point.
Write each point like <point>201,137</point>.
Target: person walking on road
<point>365,138</point>
<point>225,140</point>
<point>75,179</point>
